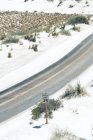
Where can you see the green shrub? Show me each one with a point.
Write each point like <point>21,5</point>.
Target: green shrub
<point>11,39</point>
<point>77,20</point>
<point>36,113</point>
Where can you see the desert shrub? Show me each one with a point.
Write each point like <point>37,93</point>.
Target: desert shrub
<point>9,55</point>
<point>71,91</point>
<point>34,47</point>
<point>30,38</point>
<point>65,32</point>
<point>79,90</point>
<point>36,113</point>
<point>77,20</point>
<point>11,39</point>
<point>51,106</point>
<point>64,135</point>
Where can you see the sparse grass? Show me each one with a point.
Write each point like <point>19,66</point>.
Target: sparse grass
<point>56,135</point>
<point>11,39</point>
<point>74,91</point>
<point>64,135</point>
<point>18,33</point>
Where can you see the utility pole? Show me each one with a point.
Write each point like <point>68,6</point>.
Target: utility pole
<point>45,100</point>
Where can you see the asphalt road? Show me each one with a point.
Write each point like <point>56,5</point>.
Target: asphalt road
<point>27,93</point>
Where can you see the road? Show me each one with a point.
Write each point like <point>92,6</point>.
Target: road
<point>27,93</point>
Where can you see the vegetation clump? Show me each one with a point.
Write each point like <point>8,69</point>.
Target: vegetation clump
<point>30,37</point>
<point>64,135</point>
<point>76,91</point>
<point>11,39</point>
<point>52,105</point>
<point>9,55</point>
<point>35,47</point>
<point>78,19</point>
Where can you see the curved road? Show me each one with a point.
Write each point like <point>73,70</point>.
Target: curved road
<point>25,94</point>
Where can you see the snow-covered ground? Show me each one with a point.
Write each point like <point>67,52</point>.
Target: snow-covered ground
<point>76,116</point>
<point>67,6</point>
<point>51,49</point>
